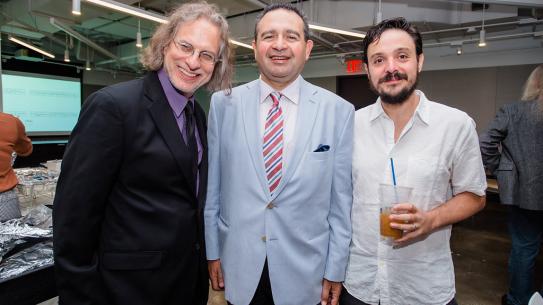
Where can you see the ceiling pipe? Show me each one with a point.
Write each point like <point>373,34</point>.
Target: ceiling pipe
<point>327,44</point>
<point>476,40</point>
<point>27,27</point>
<point>61,26</point>
<point>110,61</point>
<point>429,45</point>
<point>465,28</point>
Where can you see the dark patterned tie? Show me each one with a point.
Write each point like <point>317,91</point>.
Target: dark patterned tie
<point>190,140</point>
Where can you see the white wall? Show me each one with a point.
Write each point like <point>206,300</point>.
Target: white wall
<point>480,92</point>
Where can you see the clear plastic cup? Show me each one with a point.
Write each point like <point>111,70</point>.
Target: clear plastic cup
<point>390,195</point>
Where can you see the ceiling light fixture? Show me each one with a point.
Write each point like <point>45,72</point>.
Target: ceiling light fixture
<point>139,44</point>
<point>379,16</point>
<point>76,7</point>
<point>32,47</point>
<point>138,34</point>
<point>482,33</point>
<point>337,31</point>
<point>134,11</point>
<point>482,39</point>
<point>87,62</point>
<point>124,8</point>
<point>241,44</point>
<point>66,52</point>
<point>458,45</point>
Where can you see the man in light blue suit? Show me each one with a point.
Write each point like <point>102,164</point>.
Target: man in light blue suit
<point>279,195</point>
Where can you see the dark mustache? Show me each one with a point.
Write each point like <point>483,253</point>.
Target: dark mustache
<point>393,76</point>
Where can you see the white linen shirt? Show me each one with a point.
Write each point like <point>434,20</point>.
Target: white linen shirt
<point>289,106</point>
<point>437,154</point>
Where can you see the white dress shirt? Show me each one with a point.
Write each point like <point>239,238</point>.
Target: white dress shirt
<point>289,106</point>
<point>437,154</point>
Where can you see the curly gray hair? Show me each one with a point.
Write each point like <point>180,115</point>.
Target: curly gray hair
<point>152,57</point>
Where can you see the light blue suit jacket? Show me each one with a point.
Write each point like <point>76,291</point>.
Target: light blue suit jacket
<point>305,234</point>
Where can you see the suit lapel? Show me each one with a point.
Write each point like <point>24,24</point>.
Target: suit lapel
<point>162,115</point>
<point>251,122</point>
<point>305,120</point>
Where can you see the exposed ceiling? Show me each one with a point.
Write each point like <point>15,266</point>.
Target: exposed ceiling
<point>107,38</point>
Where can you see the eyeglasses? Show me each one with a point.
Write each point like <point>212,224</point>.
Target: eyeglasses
<point>187,49</point>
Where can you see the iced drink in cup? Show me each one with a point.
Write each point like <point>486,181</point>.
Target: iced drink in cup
<point>390,195</point>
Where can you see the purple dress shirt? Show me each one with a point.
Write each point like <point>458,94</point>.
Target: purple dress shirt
<point>178,102</point>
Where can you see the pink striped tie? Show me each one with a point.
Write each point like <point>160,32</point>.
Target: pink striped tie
<point>273,143</point>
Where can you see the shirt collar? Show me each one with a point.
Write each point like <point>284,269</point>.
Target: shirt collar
<point>176,100</point>
<point>422,111</point>
<point>291,92</point>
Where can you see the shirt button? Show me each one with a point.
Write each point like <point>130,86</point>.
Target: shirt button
<point>270,206</point>
<point>263,238</point>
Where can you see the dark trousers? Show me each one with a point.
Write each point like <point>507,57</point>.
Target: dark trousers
<point>348,299</point>
<point>526,230</point>
<point>263,293</point>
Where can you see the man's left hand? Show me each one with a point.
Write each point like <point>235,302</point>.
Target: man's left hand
<point>330,292</point>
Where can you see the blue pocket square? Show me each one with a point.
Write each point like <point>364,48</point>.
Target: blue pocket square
<point>322,148</point>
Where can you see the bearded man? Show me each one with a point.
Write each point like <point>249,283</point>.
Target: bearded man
<point>429,147</point>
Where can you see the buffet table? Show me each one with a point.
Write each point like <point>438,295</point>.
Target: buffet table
<point>29,288</point>
<point>26,247</point>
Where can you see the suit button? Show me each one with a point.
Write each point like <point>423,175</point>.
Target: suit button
<point>263,238</point>
<point>197,246</point>
<point>270,206</point>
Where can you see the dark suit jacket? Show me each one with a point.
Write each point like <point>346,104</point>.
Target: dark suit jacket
<point>128,223</point>
<point>512,148</point>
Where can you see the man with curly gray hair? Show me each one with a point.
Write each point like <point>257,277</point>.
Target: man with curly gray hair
<point>128,223</point>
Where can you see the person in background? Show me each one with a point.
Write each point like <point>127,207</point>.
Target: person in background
<point>13,139</point>
<point>435,152</point>
<point>512,149</point>
<point>128,211</point>
<point>279,195</point>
